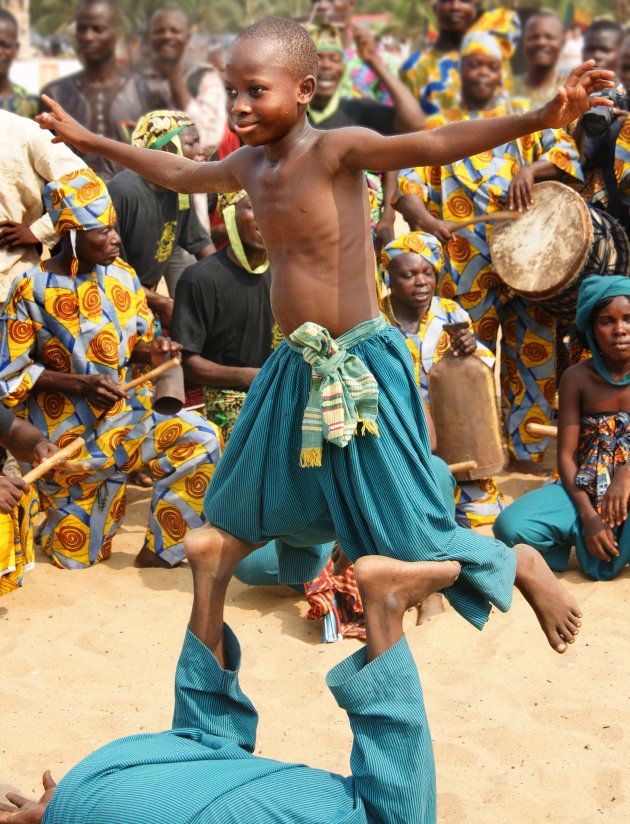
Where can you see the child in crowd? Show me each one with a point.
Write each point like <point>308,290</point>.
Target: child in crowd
<point>588,507</point>
<point>293,468</point>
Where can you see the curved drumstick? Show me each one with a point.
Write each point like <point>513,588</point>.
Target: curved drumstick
<point>59,457</point>
<point>542,430</point>
<point>471,221</point>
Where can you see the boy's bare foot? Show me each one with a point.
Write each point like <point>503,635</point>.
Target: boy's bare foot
<point>389,587</point>
<point>146,559</point>
<point>528,468</point>
<point>557,610</point>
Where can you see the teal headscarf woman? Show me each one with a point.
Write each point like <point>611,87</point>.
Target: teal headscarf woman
<point>595,291</point>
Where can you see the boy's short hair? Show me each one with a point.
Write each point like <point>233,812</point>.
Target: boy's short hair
<point>292,40</point>
<point>112,5</point>
<point>603,24</point>
<point>7,17</point>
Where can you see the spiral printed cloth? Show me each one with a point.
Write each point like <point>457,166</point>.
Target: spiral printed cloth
<point>477,186</point>
<point>90,325</point>
<point>80,201</point>
<point>16,542</point>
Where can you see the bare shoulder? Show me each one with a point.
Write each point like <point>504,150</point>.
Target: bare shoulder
<point>577,376</point>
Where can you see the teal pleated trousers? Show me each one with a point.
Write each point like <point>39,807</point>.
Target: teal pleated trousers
<point>203,771</point>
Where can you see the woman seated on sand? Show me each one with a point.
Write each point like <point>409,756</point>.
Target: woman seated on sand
<point>588,507</point>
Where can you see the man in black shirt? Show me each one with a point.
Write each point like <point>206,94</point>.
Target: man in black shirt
<point>153,221</point>
<point>222,315</point>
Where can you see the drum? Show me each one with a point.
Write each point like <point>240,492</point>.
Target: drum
<point>558,243</point>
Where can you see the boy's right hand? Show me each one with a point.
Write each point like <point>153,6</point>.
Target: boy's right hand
<point>68,129</point>
<point>599,539</point>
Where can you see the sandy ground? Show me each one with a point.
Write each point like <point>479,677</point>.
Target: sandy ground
<point>521,734</point>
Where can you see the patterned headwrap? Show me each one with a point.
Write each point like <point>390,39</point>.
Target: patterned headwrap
<point>504,25</point>
<point>422,243</point>
<point>481,42</point>
<point>227,210</point>
<point>155,129</point>
<point>78,201</point>
<point>326,38</point>
<point>594,290</point>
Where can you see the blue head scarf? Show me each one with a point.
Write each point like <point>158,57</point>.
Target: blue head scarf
<point>593,290</point>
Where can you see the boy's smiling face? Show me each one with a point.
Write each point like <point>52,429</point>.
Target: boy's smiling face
<point>265,98</point>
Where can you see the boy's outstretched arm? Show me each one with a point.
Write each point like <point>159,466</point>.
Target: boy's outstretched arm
<point>167,170</point>
<point>458,140</point>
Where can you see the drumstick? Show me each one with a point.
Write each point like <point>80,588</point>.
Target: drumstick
<point>542,430</point>
<point>455,227</point>
<point>73,466</point>
<point>462,466</point>
<point>48,463</point>
<point>59,457</point>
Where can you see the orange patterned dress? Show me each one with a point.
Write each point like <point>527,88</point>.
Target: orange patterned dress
<point>90,324</point>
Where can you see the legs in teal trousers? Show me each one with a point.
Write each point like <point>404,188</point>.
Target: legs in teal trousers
<point>547,519</point>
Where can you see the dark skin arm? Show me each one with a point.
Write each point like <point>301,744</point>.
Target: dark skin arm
<point>409,117</point>
<point>521,190</point>
<point>385,228</point>
<point>208,373</point>
<point>26,443</point>
<point>598,536</point>
<point>415,212</point>
<point>357,148</point>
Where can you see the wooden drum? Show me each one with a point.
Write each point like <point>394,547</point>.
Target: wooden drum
<point>557,243</point>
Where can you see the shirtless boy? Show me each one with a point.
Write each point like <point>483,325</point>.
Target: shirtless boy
<point>376,494</point>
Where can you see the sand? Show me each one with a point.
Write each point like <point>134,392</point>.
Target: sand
<point>521,734</point>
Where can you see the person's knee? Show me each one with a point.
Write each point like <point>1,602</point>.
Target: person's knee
<point>506,528</point>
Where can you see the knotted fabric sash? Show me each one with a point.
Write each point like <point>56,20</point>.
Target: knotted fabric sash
<point>343,393</point>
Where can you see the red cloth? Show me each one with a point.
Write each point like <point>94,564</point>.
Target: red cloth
<point>338,594</point>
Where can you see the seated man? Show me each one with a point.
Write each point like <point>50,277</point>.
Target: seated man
<point>414,263</point>
<point>588,507</point>
<point>153,222</point>
<point>204,770</point>
<point>18,500</point>
<point>222,315</point>
<point>72,328</point>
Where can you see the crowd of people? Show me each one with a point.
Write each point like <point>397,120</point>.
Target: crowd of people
<point>323,244</point>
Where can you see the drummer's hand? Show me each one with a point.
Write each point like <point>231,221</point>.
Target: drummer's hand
<point>463,343</point>
<point>574,98</point>
<point>100,391</point>
<point>599,539</point>
<point>11,490</point>
<point>42,450</point>
<point>163,349</point>
<point>615,503</point>
<point>520,193</point>
<point>439,228</point>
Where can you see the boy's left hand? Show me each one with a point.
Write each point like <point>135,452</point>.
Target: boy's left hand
<point>573,99</point>
<point>615,503</point>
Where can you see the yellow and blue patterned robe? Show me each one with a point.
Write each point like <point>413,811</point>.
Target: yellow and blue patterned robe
<point>90,325</point>
<point>477,186</point>
<point>476,502</point>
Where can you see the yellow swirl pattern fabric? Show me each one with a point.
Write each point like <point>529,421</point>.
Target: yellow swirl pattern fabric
<point>16,542</point>
<point>90,324</point>
<point>474,187</point>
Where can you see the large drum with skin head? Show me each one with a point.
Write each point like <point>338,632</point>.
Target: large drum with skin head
<point>559,241</point>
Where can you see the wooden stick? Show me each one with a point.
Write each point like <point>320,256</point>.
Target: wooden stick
<point>152,375</point>
<point>59,457</point>
<point>542,430</point>
<point>472,221</point>
<point>73,466</point>
<point>463,466</point>
<point>48,464</point>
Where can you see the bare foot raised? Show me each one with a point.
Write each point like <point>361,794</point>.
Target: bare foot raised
<point>390,587</point>
<point>146,559</point>
<point>556,609</point>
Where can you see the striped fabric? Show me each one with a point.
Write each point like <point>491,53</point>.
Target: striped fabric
<point>343,393</point>
<point>203,771</point>
<point>376,496</point>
